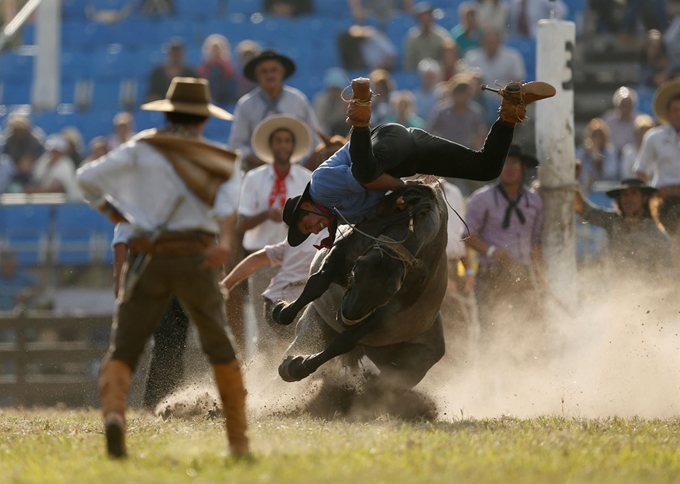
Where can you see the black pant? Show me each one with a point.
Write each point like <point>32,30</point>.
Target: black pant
<point>166,369</point>
<point>400,152</point>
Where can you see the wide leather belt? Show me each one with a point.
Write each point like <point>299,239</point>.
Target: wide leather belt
<point>173,244</point>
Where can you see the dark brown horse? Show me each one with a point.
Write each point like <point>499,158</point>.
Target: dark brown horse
<point>378,289</point>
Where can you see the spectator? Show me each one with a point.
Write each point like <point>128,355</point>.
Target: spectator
<point>449,59</point>
<point>498,64</point>
<point>466,34</point>
<point>491,15</point>
<point>123,129</point>
<point>459,118</point>
<point>523,15</point>
<point>280,141</point>
<point>218,69</point>
<point>426,94</point>
<point>21,141</point>
<point>162,75</point>
<point>403,108</point>
<point>366,48</point>
<point>597,155</point>
<point>505,222</point>
<point>424,40</point>
<point>637,246</point>
<point>621,119</point>
<point>157,7</point>
<point>76,145</point>
<point>272,96</point>
<point>329,106</point>
<point>98,146</point>
<point>655,64</point>
<point>654,14</point>
<point>383,86</point>
<point>109,15</point>
<point>382,9</point>
<point>629,154</point>
<point>246,50</point>
<point>17,286</point>
<point>54,171</point>
<point>288,8</point>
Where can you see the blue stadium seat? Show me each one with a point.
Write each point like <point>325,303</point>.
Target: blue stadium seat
<point>25,231</point>
<point>75,64</point>
<point>133,32</point>
<point>113,64</point>
<point>249,7</point>
<point>333,8</point>
<point>74,9</point>
<point>194,10</point>
<point>67,93</point>
<point>16,92</point>
<point>16,67</point>
<point>75,234</point>
<point>81,34</point>
<point>28,33</point>
<point>105,95</point>
<point>191,32</point>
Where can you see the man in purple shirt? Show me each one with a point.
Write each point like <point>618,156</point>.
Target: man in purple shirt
<point>505,221</point>
<point>348,186</point>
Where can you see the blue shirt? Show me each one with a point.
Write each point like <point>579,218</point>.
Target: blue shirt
<point>334,187</point>
<point>10,287</point>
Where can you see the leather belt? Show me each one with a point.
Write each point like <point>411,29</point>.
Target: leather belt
<point>173,244</point>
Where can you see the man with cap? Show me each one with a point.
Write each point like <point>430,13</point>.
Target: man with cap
<point>658,162</point>
<point>348,186</point>
<point>505,220</point>
<point>425,40</point>
<point>54,171</point>
<point>162,75</point>
<point>637,246</point>
<point>269,69</point>
<point>280,141</point>
<point>175,190</point>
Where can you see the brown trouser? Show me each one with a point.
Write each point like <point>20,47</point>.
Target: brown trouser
<point>198,291</point>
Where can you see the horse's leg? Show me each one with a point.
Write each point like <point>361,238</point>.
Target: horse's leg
<point>318,283</point>
<point>405,364</point>
<point>300,367</point>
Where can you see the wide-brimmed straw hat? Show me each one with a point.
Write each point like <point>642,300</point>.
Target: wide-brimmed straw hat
<point>188,95</point>
<point>631,183</point>
<point>529,161</point>
<point>291,213</point>
<point>665,93</point>
<point>269,54</point>
<point>262,132</point>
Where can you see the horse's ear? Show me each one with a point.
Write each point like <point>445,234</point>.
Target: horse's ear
<point>324,137</point>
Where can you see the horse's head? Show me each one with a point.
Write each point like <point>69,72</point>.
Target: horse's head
<point>375,279</point>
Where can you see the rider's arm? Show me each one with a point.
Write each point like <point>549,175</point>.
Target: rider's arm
<point>384,183</point>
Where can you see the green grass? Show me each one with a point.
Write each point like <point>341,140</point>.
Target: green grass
<point>59,446</point>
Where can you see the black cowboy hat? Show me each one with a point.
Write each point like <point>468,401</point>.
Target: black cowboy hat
<point>268,54</point>
<point>291,213</point>
<point>529,161</point>
<point>631,183</point>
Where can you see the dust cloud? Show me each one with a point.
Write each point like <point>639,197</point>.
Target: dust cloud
<point>617,354</point>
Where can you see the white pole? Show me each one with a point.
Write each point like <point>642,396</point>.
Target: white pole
<point>46,85</point>
<point>555,150</point>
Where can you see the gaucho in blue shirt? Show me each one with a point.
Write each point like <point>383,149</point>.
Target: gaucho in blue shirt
<point>350,183</point>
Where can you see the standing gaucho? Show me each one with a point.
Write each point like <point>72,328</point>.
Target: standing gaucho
<point>175,190</point>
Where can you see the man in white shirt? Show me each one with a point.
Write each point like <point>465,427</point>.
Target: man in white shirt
<point>269,69</point>
<point>280,141</point>
<point>54,171</point>
<point>174,188</point>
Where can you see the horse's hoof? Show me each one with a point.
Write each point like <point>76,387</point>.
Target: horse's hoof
<point>291,369</point>
<point>276,312</point>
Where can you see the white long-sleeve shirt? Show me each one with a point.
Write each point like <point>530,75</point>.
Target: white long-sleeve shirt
<point>659,156</point>
<point>144,187</point>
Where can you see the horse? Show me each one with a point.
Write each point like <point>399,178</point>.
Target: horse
<point>378,289</point>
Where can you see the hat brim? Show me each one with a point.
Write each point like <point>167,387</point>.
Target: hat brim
<point>287,62</point>
<point>260,138</point>
<point>198,109</point>
<point>664,93</point>
<point>291,213</point>
<point>616,192</point>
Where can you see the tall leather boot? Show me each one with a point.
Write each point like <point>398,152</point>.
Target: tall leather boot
<point>114,384</point>
<point>516,97</point>
<point>233,395</point>
<point>359,108</point>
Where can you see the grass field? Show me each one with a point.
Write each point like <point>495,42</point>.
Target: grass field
<point>59,446</point>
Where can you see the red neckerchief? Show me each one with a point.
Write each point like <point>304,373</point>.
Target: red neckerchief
<point>278,189</point>
<point>327,243</point>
